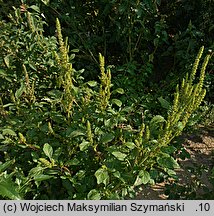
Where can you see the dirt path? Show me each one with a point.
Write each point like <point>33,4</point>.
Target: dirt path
<point>192,172</point>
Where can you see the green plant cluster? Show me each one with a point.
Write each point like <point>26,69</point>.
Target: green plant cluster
<point>155,40</point>
<point>66,138</point>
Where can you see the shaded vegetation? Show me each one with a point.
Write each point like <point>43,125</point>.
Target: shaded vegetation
<point>93,115</point>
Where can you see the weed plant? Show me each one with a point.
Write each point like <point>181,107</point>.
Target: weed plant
<point>66,138</point>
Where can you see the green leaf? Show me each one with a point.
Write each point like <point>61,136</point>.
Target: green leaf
<point>20,91</point>
<point>42,177</point>
<point>102,176</point>
<point>35,8</point>
<point>142,178</point>
<point>8,105</point>
<point>117,102</point>
<point>157,119</point>
<point>171,173</point>
<point>92,83</point>
<point>118,90</point>
<point>168,162</point>
<point>119,155</point>
<point>122,8</point>
<point>164,103</point>
<point>168,149</point>
<point>5,165</point>
<point>158,2</point>
<point>48,150</point>
<point>94,195</point>
<point>156,42</point>
<point>107,122</point>
<point>84,145</point>
<point>3,73</point>
<point>72,56</point>
<point>180,126</point>
<point>108,137</point>
<point>8,188</point>
<point>68,186</point>
<point>46,2</point>
<point>55,93</point>
<point>75,50</point>
<point>35,156</point>
<point>35,171</point>
<point>118,175</point>
<point>57,117</point>
<point>45,162</point>
<point>57,153</point>
<point>151,57</point>
<point>7,61</point>
<point>33,66</point>
<point>73,162</point>
<point>130,145</point>
<point>75,133</point>
<point>156,122</point>
<point>80,175</point>
<point>8,132</point>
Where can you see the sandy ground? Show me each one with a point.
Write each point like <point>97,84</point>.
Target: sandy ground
<point>200,145</point>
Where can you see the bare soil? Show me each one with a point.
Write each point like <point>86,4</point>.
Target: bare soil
<point>200,146</point>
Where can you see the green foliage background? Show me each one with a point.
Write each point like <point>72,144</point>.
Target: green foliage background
<point>74,128</point>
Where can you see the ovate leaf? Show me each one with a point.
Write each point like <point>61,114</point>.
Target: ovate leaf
<point>92,83</point>
<point>8,188</point>
<point>94,195</point>
<point>84,145</point>
<point>35,171</point>
<point>45,162</point>
<point>117,102</point>
<point>74,133</point>
<point>142,178</point>
<point>168,162</point>
<point>7,61</point>
<point>33,66</point>
<point>171,173</point>
<point>8,131</point>
<point>57,117</point>
<point>157,119</point>
<point>119,155</point>
<point>102,176</point>
<point>48,150</point>
<point>164,103</point>
<point>108,137</point>
<point>75,50</point>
